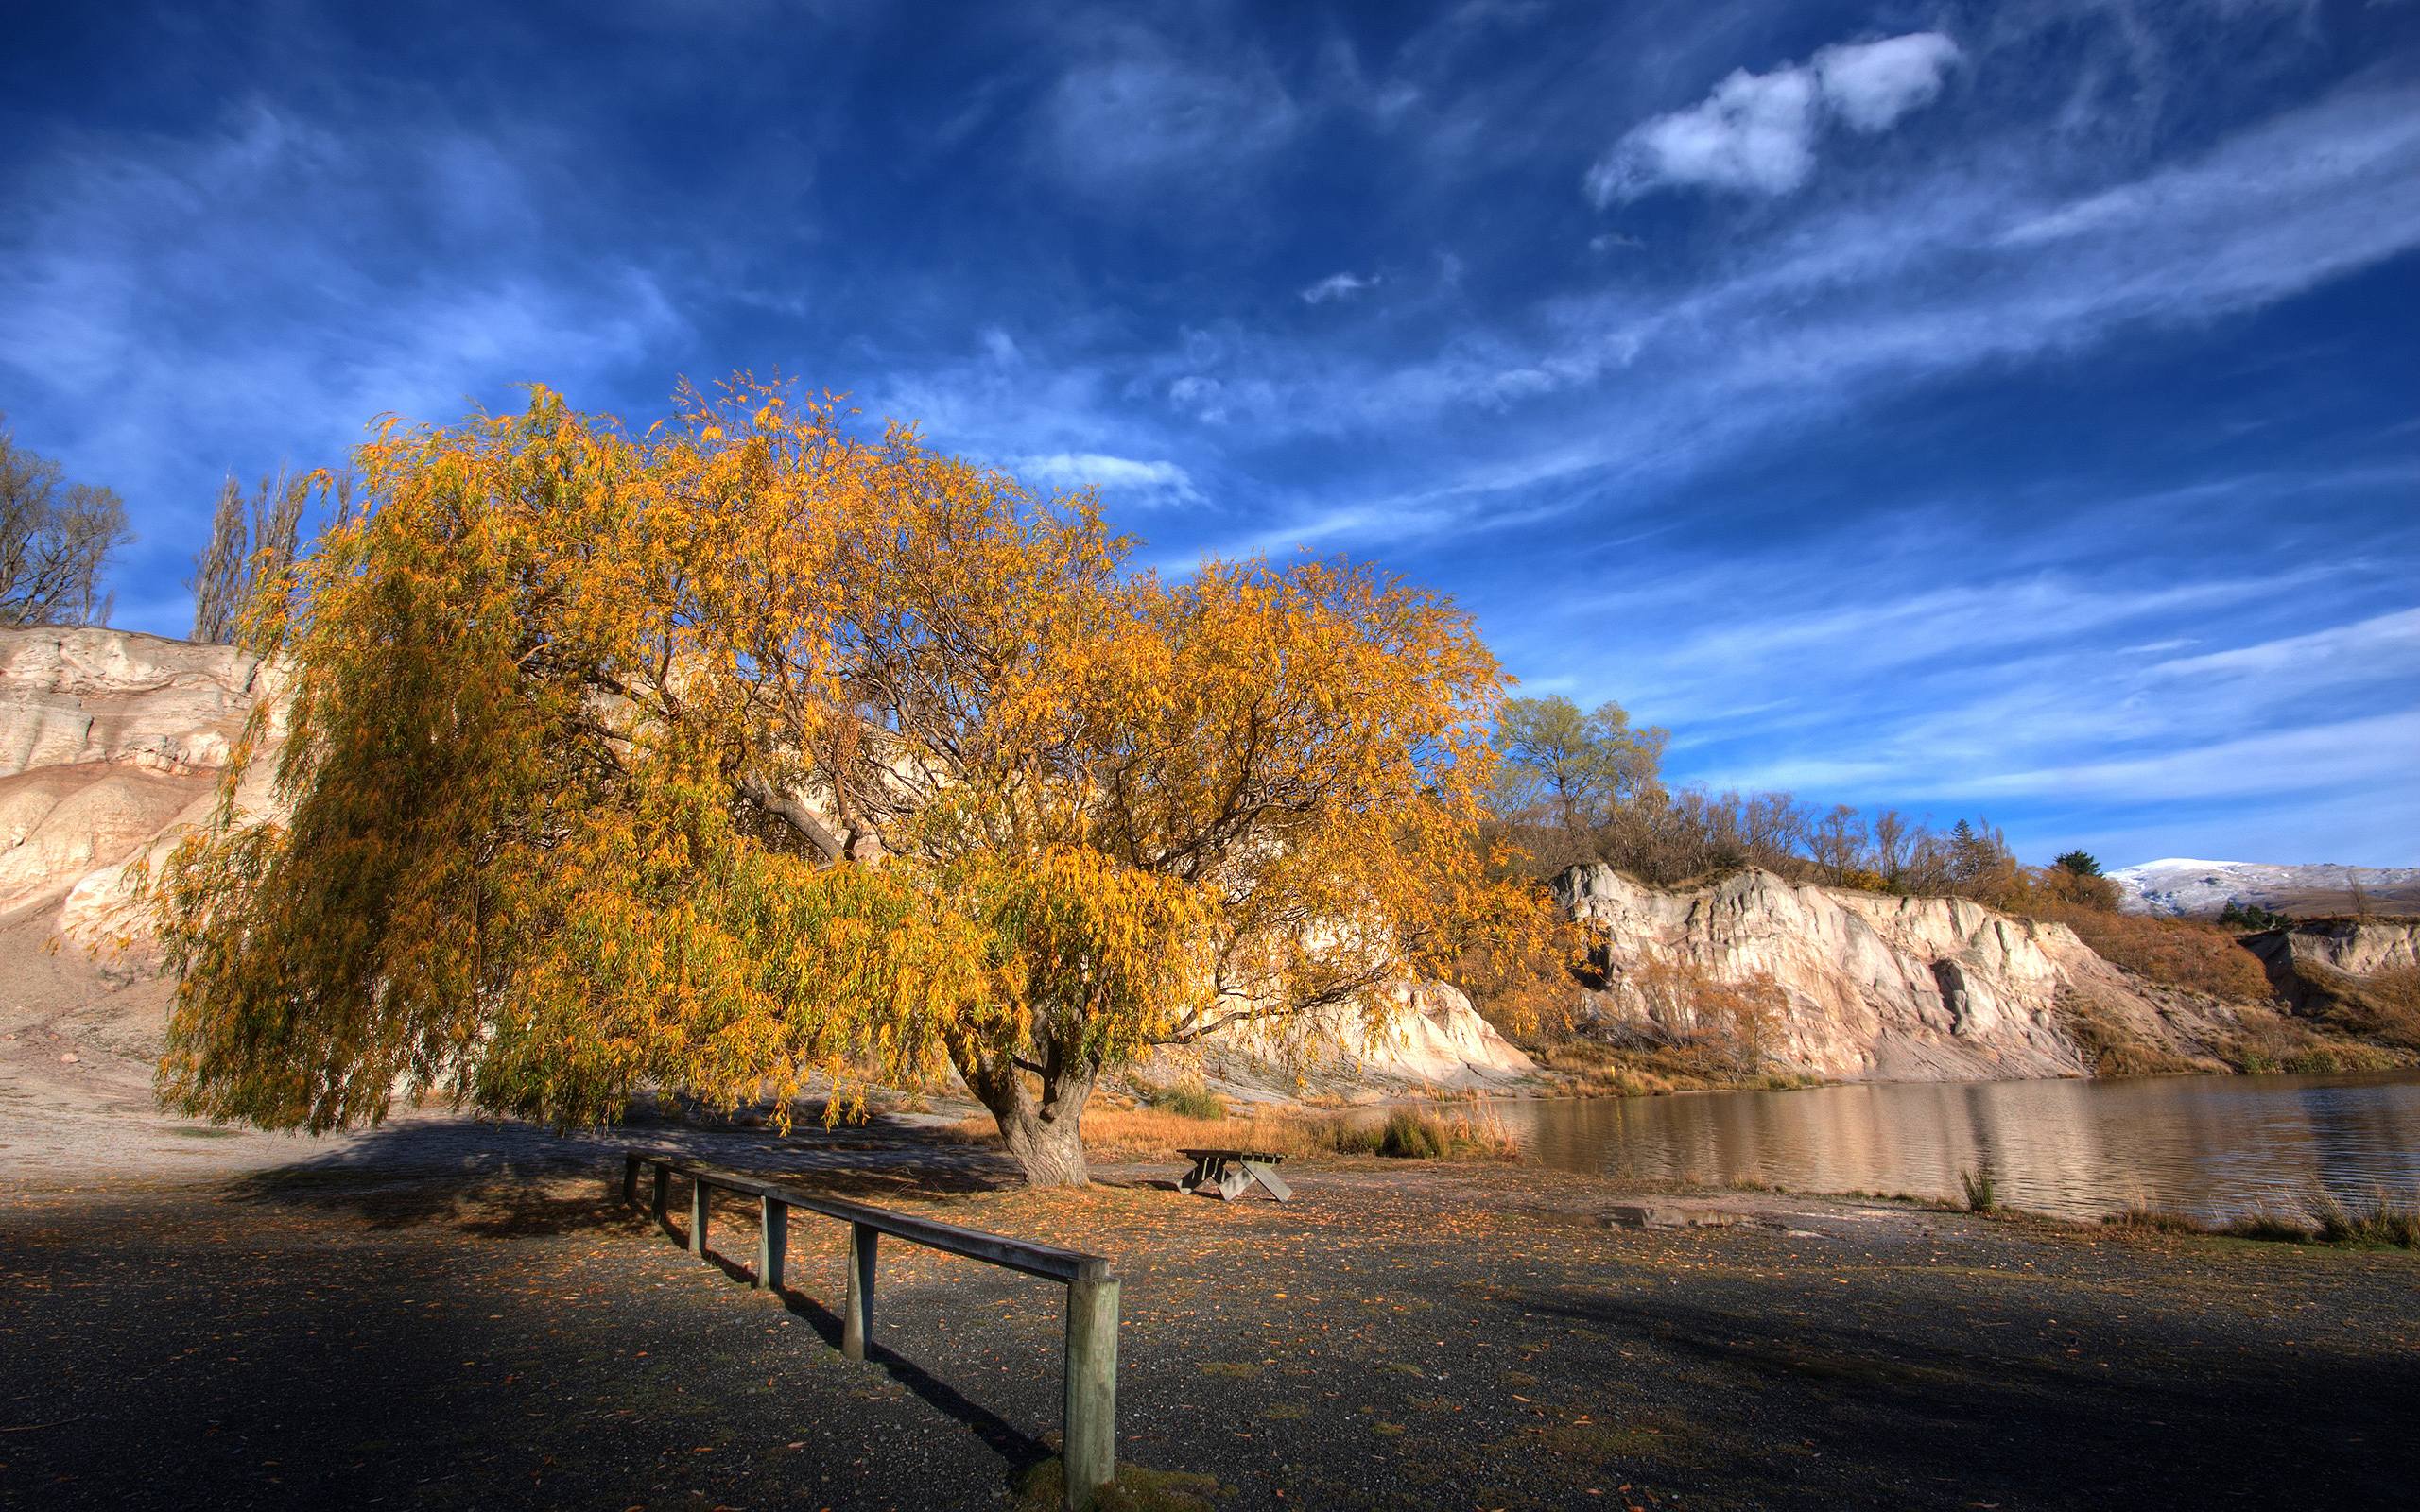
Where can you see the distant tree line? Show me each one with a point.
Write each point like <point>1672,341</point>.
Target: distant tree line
<point>1582,785</point>
<point>56,538</point>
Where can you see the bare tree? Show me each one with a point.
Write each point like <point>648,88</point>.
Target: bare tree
<point>247,547</point>
<point>55,537</point>
<point>1892,840</point>
<point>1837,842</point>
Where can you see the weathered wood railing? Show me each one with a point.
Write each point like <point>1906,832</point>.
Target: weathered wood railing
<point>1088,1450</point>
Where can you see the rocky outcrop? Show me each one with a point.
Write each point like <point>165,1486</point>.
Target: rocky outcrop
<point>110,742</point>
<point>2355,946</point>
<point>2325,966</point>
<point>1430,1039</point>
<point>1864,985</point>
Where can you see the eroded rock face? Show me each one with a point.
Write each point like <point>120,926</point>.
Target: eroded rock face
<point>2316,965</point>
<point>111,745</point>
<point>1431,1040</point>
<point>2356,947</point>
<point>72,697</point>
<point>1875,987</point>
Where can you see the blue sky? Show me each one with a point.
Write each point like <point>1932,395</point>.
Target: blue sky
<point>2004,407</point>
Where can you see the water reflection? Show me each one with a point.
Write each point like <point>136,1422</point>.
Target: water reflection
<point>2215,1146</point>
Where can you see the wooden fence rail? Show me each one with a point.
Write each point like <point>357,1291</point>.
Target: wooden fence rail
<point>1088,1450</point>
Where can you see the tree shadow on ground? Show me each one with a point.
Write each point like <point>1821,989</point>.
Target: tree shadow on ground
<point>1925,1402</point>
<point>501,1177</point>
<point>510,1180</point>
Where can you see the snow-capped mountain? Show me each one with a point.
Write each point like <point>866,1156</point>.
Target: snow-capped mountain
<point>2202,888</point>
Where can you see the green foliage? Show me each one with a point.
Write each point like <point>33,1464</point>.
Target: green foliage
<point>2252,918</point>
<point>1410,1136</point>
<point>2079,863</point>
<point>1982,1191</point>
<point>1571,767</point>
<point>1189,1098</point>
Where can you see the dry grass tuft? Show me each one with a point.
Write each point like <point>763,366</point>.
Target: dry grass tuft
<point>1592,1068</point>
<point>1157,1133</point>
<point>2268,1042</point>
<point>2114,1048</point>
<point>2380,1223</point>
<point>2384,1006</point>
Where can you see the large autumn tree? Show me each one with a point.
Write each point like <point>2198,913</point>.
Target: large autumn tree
<point>750,748</point>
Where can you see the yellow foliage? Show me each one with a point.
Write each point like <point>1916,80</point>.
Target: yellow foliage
<point>750,747</point>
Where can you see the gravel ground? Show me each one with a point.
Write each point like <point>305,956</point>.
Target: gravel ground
<point>452,1315</point>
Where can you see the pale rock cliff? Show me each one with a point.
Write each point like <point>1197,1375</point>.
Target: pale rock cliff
<point>1878,987</point>
<point>1431,1040</point>
<point>2316,964</point>
<point>110,744</point>
<point>2356,947</point>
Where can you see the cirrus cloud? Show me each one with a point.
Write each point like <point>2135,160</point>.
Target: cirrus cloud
<point>1139,481</point>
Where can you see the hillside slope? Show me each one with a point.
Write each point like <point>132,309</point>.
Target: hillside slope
<point>2184,888</point>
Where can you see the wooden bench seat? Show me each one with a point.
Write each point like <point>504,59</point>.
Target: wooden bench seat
<point>1232,1171</point>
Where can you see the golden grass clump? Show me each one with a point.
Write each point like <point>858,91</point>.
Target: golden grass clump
<point>2382,1223</point>
<point>2180,952</point>
<point>1149,1133</point>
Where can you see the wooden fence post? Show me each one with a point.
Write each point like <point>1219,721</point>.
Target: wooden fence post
<point>773,1243</point>
<point>1088,1430</point>
<point>857,1300</point>
<point>697,1190</point>
<point>630,1177</point>
<point>662,1190</point>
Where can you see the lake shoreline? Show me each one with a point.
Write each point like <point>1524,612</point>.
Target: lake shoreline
<point>2219,1147</point>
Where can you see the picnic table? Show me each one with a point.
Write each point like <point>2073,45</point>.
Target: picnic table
<point>1232,1171</point>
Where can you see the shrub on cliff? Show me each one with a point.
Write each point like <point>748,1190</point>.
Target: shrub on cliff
<point>2180,952</point>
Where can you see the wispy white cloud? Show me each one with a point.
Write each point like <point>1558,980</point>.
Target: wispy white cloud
<point>223,302</point>
<point>2314,757</point>
<point>1757,133</point>
<point>1872,84</point>
<point>1144,117</point>
<point>1147,482</point>
<point>2383,647</point>
<point>1857,301</point>
<point>1338,286</point>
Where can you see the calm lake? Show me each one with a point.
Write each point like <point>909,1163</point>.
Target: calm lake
<point>2213,1145</point>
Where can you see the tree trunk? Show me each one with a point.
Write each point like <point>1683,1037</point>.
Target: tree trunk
<point>1041,1116</point>
<point>1048,1146</point>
